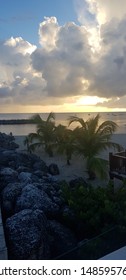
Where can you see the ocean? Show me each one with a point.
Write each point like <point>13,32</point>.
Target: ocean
<point>60,118</point>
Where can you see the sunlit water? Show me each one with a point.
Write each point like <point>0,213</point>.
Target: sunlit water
<point>62,118</point>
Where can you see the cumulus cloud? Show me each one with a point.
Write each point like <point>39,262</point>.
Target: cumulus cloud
<point>67,65</point>
<point>101,11</point>
<point>48,30</point>
<point>72,61</point>
<point>18,80</point>
<point>110,68</point>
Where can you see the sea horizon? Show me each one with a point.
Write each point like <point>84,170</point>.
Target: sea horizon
<point>60,118</point>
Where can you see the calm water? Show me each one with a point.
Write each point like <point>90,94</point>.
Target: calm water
<point>119,118</point>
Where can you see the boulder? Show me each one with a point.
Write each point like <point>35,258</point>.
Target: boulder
<point>7,142</point>
<point>9,196</point>
<point>53,169</point>
<point>34,198</point>
<point>7,175</point>
<point>40,165</point>
<point>25,177</point>
<point>39,174</point>
<point>26,236</point>
<point>8,158</point>
<point>80,181</point>
<point>23,169</point>
<point>8,172</point>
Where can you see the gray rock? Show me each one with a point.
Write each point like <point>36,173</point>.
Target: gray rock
<point>27,236</point>
<point>8,172</point>
<point>7,175</point>
<point>8,158</point>
<point>12,191</point>
<point>8,153</point>
<point>23,169</point>
<point>40,166</point>
<point>34,198</point>
<point>25,177</point>
<point>7,142</point>
<point>9,197</point>
<point>39,173</point>
<point>53,169</point>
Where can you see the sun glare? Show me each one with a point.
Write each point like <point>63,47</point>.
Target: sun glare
<point>90,100</point>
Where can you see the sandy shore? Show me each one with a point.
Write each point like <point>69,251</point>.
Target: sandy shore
<point>77,167</point>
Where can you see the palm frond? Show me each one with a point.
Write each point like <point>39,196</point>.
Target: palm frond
<point>35,146</point>
<point>99,166</point>
<point>36,119</point>
<point>72,119</point>
<point>51,117</point>
<point>92,123</point>
<point>107,127</point>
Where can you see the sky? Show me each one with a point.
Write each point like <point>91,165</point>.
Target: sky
<point>62,56</point>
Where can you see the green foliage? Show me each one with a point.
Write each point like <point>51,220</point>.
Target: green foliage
<point>44,135</point>
<point>88,140</point>
<point>93,138</point>
<point>64,141</point>
<point>96,209</point>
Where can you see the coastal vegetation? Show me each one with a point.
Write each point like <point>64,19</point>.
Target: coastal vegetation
<point>89,139</point>
<point>64,142</point>
<point>44,135</point>
<point>44,218</point>
<point>93,138</point>
<point>96,210</point>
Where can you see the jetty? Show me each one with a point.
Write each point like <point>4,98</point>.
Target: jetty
<point>18,121</point>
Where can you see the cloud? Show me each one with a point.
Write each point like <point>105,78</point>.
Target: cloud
<point>48,30</point>
<point>110,68</point>
<point>67,64</point>
<point>72,61</point>
<point>85,15</point>
<point>101,11</point>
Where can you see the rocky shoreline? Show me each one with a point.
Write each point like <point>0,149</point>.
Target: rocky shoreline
<point>37,221</point>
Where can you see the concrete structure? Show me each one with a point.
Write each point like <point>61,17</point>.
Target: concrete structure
<point>116,255</point>
<point>3,248</point>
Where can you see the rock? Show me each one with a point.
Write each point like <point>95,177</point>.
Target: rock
<point>7,142</point>
<point>39,173</point>
<point>28,177</point>
<point>23,169</point>
<point>8,172</point>
<point>40,166</point>
<point>33,198</point>
<point>25,177</point>
<point>9,197</point>
<point>8,153</point>
<point>75,183</point>
<point>62,239</point>
<point>53,169</point>
<point>8,158</point>
<point>7,175</point>
<point>26,236</point>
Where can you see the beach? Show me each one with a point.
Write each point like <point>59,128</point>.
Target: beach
<point>77,168</point>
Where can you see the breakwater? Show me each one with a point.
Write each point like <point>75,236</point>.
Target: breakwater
<point>19,121</point>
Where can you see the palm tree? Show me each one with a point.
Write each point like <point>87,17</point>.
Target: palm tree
<point>44,135</point>
<point>64,141</point>
<point>91,140</point>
